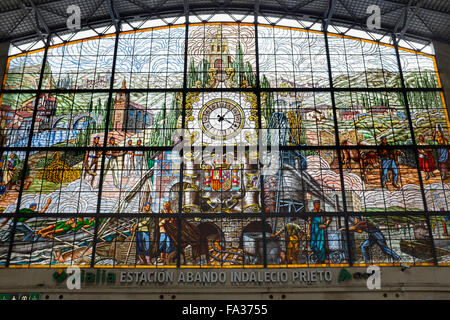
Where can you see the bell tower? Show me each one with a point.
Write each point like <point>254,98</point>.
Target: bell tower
<point>219,57</point>
<point>119,114</point>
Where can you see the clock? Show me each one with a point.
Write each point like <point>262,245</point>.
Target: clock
<point>221,119</point>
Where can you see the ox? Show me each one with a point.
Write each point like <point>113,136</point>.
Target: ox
<point>365,159</point>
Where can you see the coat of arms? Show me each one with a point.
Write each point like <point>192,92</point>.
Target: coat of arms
<point>221,176</point>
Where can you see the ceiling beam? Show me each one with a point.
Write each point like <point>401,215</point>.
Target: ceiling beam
<point>424,6</point>
<point>39,17</point>
<point>401,35</point>
<point>165,8</point>
<point>403,17</point>
<point>114,14</point>
<point>330,13</point>
<point>29,8</point>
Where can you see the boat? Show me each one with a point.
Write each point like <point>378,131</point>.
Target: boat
<point>422,249</point>
<point>43,243</point>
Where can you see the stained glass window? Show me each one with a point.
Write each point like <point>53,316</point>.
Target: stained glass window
<point>223,144</point>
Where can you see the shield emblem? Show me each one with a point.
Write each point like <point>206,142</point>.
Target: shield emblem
<point>226,177</point>
<point>221,180</point>
<point>217,179</point>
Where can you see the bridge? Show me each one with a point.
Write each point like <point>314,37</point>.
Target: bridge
<point>74,119</point>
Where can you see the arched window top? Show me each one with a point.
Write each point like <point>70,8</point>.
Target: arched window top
<point>360,126</point>
<point>153,57</point>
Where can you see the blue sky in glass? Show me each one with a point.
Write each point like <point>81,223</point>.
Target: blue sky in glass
<point>151,51</point>
<point>295,51</point>
<point>32,59</point>
<point>87,56</point>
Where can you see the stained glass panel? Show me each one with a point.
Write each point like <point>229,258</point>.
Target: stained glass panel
<point>24,71</point>
<point>419,71</point>
<point>221,55</point>
<point>220,165</point>
<point>356,63</point>
<point>53,241</point>
<point>291,58</point>
<point>387,239</point>
<point>364,118</point>
<point>151,59</point>
<point>81,65</point>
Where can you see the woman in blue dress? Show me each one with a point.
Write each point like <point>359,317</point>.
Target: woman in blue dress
<point>317,233</point>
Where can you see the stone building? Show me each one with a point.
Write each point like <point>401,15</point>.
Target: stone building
<point>129,116</point>
<point>219,56</point>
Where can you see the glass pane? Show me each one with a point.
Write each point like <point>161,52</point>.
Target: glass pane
<point>299,118</point>
<point>301,242</point>
<point>80,65</point>
<point>381,180</point>
<point>133,178</point>
<point>69,120</point>
<point>53,241</point>
<point>223,242</point>
<point>419,70</point>
<point>65,180</point>
<point>151,59</point>
<point>23,71</point>
<point>439,228</point>
<point>429,117</point>
<point>16,118</point>
<point>389,239</point>
<point>291,58</point>
<point>359,63</point>
<point>366,117</point>
<point>221,56</point>
<point>144,241</point>
<point>151,117</point>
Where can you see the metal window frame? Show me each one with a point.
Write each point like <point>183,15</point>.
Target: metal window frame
<point>262,216</point>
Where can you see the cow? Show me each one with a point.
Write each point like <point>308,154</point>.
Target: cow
<point>365,159</point>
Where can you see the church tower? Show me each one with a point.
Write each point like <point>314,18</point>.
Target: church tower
<point>119,113</point>
<point>219,57</point>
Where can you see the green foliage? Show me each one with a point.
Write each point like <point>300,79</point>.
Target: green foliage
<point>418,100</point>
<point>269,100</point>
<point>83,138</point>
<point>192,75</point>
<point>371,99</point>
<point>238,65</point>
<point>199,73</point>
<point>91,106</point>
<point>421,80</point>
<point>110,124</point>
<point>249,75</point>
<point>164,126</point>
<point>42,163</point>
<point>66,104</point>
<point>311,153</point>
<point>303,139</point>
<point>204,72</point>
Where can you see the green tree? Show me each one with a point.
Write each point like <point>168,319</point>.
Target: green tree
<point>192,77</point>
<point>239,64</point>
<point>269,100</point>
<point>249,75</point>
<point>204,72</point>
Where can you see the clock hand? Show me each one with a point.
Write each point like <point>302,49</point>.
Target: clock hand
<point>226,113</point>
<point>228,121</point>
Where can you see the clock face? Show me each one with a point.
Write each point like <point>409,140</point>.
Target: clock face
<point>221,119</point>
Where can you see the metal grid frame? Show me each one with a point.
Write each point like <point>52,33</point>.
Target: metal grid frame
<point>416,20</point>
<point>257,91</point>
